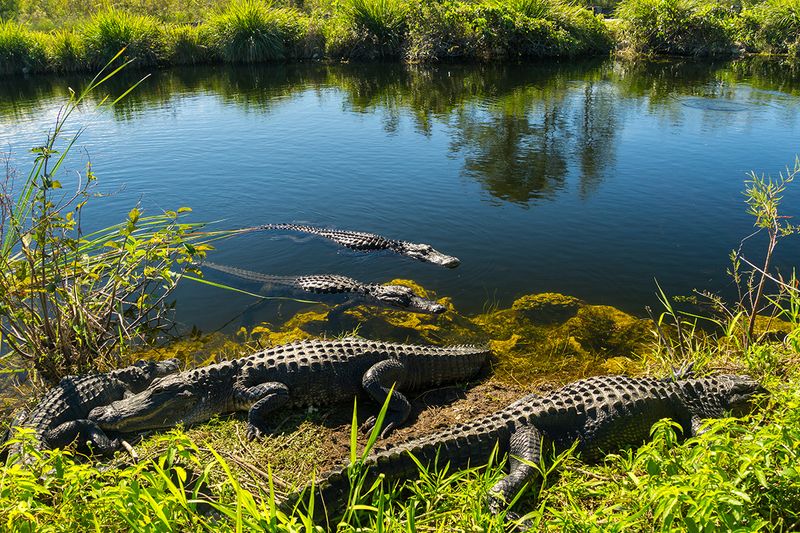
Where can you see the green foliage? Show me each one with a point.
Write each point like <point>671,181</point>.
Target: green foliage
<point>20,49</point>
<point>249,31</point>
<point>110,31</point>
<point>490,30</point>
<point>70,301</point>
<point>9,9</point>
<point>677,27</point>
<point>66,52</point>
<point>772,26</point>
<point>186,45</point>
<point>379,26</point>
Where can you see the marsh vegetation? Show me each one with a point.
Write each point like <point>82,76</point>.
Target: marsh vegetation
<point>64,36</point>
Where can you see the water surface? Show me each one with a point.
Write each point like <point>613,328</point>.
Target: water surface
<point>591,179</point>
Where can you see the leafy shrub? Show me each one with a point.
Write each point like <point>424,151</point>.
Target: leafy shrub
<point>772,26</point>
<point>69,301</point>
<point>678,27</point>
<point>249,31</point>
<point>489,30</point>
<point>110,31</point>
<point>20,50</point>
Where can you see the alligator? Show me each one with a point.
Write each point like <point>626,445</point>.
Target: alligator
<point>61,416</point>
<point>597,415</point>
<point>303,373</point>
<point>369,242</point>
<point>388,295</point>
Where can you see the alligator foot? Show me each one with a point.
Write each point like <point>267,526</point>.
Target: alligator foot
<point>390,422</point>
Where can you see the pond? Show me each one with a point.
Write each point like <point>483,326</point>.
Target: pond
<point>589,178</point>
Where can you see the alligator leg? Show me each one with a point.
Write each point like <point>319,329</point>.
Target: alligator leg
<point>88,434</point>
<point>262,400</point>
<point>377,381</point>
<point>525,447</point>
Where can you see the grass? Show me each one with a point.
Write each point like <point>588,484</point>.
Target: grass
<point>743,476</point>
<point>21,50</point>
<point>676,27</point>
<point>772,26</point>
<point>740,474</point>
<point>63,35</point>
<point>249,31</point>
<point>110,31</point>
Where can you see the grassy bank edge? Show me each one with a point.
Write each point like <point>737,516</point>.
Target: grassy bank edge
<point>248,31</point>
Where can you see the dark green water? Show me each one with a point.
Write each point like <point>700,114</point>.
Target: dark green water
<point>590,179</point>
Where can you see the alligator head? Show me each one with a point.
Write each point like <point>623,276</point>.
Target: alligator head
<point>185,398</point>
<point>724,394</point>
<point>427,253</point>
<point>405,299</point>
<point>740,394</point>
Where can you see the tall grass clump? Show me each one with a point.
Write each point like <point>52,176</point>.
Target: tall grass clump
<point>112,30</point>
<point>366,29</point>
<point>21,50</point>
<point>772,26</point>
<point>66,52</point>
<point>186,45</point>
<point>676,27</point>
<point>249,31</point>
<point>494,30</point>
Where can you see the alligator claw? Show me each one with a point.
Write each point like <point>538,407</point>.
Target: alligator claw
<point>254,433</point>
<point>369,425</point>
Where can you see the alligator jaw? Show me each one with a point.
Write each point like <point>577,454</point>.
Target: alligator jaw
<point>427,253</point>
<point>141,412</point>
<point>184,398</point>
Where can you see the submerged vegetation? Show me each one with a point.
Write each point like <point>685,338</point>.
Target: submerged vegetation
<point>64,35</point>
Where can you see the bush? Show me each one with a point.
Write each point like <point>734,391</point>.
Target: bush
<point>110,31</point>
<point>250,32</point>
<point>20,50</point>
<point>676,27</point>
<point>772,26</point>
<point>489,30</point>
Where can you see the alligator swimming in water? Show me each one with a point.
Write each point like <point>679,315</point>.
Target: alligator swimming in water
<point>389,295</point>
<point>368,242</point>
<point>603,414</point>
<point>61,416</point>
<point>298,374</point>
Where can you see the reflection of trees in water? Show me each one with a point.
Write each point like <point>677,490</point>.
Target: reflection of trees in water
<point>521,128</point>
<point>522,145</point>
<point>516,155</point>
